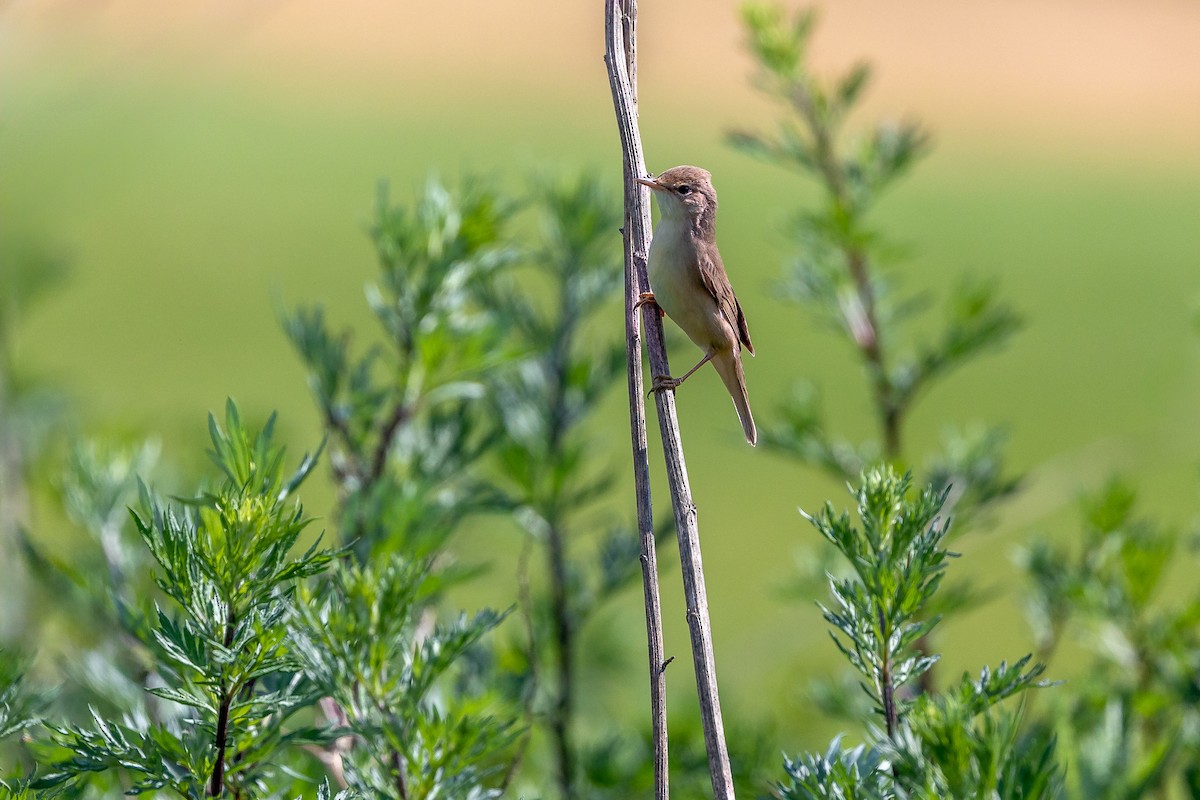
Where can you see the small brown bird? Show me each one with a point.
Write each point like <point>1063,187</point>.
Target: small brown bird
<point>689,284</point>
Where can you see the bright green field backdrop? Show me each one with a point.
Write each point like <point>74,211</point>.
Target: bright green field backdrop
<point>198,170</point>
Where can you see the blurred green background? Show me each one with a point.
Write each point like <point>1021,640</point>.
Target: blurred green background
<point>199,164</point>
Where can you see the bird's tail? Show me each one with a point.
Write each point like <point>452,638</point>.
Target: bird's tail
<point>729,367</point>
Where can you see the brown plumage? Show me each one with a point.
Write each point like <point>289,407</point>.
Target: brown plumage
<point>689,283</point>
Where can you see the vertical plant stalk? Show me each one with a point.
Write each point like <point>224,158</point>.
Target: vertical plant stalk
<point>525,604</point>
<point>887,691</point>
<point>563,705</point>
<point>620,55</point>
<point>217,782</point>
<point>861,317</point>
<point>398,772</point>
<point>862,320</point>
<point>621,50</point>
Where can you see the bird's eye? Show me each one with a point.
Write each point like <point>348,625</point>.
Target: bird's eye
<point>684,189</point>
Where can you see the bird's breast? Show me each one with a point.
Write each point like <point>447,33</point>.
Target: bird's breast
<point>674,272</point>
<point>672,266</point>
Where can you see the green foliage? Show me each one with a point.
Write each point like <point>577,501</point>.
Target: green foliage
<point>844,274</point>
<point>853,177</point>
<point>546,395</point>
<point>1130,725</point>
<point>855,774</point>
<point>490,363</point>
<point>957,743</point>
<point>897,562</point>
<point>840,274</point>
<point>212,679</point>
<point>215,652</point>
<point>970,466</point>
<point>544,400</point>
<point>404,418</point>
<point>101,587</point>
<point>368,644</point>
<point>21,706</point>
<point>99,483</point>
<point>245,641</point>
<point>225,562</point>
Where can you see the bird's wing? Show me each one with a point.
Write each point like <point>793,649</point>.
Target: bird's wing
<point>712,273</point>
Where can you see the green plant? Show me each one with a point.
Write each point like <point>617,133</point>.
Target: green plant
<point>1129,724</point>
<point>960,742</point>
<point>543,400</point>
<point>842,273</point>
<point>224,562</point>
<point>555,482</point>
<point>409,431</point>
<point>405,419</point>
<point>366,641</point>
<point>21,706</point>
<point>248,633</point>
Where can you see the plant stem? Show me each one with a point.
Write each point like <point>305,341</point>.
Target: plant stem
<point>560,713</point>
<point>216,784</point>
<point>562,710</point>
<point>399,415</point>
<point>525,604</point>
<point>218,774</point>
<point>398,771</point>
<point>886,690</point>
<point>622,38</point>
<point>861,319</point>
<point>620,32</point>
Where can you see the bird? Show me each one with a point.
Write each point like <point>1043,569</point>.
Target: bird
<point>689,284</point>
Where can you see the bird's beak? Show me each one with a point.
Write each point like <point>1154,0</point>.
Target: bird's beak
<point>653,184</point>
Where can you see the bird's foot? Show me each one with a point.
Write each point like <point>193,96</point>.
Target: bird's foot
<point>663,383</point>
<point>647,298</point>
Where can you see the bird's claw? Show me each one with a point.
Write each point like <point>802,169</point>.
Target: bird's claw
<point>647,298</point>
<point>663,383</point>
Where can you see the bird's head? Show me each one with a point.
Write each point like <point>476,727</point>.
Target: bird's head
<point>685,192</point>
